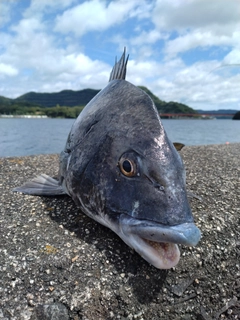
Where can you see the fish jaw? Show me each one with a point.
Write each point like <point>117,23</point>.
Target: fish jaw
<point>160,255</point>
<point>156,243</point>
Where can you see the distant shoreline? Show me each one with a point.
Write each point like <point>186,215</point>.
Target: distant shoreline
<point>176,117</point>
<point>25,116</point>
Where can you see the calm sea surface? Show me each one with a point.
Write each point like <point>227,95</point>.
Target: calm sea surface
<point>20,137</point>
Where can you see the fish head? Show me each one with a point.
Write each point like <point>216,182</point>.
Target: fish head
<point>125,173</point>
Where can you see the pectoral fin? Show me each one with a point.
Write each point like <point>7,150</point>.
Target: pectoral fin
<point>42,185</point>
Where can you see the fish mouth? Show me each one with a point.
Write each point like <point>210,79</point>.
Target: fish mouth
<point>157,243</point>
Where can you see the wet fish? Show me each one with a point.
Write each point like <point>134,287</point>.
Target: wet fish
<point>121,169</point>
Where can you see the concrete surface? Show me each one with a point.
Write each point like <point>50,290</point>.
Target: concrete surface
<point>56,263</point>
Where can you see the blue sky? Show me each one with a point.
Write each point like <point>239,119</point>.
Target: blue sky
<point>180,49</point>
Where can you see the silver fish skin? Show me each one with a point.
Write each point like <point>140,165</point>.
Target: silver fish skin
<point>121,169</point>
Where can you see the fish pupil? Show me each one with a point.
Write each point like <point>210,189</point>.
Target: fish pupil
<point>127,166</point>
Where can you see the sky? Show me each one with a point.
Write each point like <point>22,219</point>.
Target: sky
<point>182,50</point>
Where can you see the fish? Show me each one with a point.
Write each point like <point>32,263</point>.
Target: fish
<point>121,169</point>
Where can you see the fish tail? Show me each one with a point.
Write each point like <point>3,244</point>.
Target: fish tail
<point>42,185</point>
<point>120,68</point>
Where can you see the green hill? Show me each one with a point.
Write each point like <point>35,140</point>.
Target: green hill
<point>64,104</point>
<point>11,106</point>
<point>68,98</point>
<point>69,103</point>
<point>158,103</point>
<point>4,100</point>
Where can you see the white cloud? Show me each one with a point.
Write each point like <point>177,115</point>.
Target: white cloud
<point>146,37</point>
<point>28,45</point>
<point>233,57</point>
<point>5,11</point>
<point>32,51</point>
<point>138,71</point>
<point>196,39</point>
<point>182,15</point>
<point>140,45</point>
<point>5,41</point>
<point>28,25</point>
<point>199,86</point>
<point>141,71</point>
<point>39,7</point>
<point>198,23</point>
<point>94,15</point>
<point>34,57</point>
<point>7,70</point>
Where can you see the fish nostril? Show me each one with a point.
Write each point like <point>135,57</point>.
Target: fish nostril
<point>155,184</point>
<point>158,186</point>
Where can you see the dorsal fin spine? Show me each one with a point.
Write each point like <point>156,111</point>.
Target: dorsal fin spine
<point>120,68</point>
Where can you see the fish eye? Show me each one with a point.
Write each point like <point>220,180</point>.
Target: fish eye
<point>127,167</point>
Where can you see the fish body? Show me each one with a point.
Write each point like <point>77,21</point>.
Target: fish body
<point>121,169</point>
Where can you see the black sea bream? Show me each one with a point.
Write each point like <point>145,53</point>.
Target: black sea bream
<point>121,169</point>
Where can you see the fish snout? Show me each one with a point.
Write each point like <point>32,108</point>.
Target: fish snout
<point>157,243</point>
<point>185,233</point>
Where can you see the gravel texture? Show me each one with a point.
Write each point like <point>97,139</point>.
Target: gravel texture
<point>56,263</point>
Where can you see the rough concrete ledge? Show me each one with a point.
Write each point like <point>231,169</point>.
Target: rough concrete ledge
<point>56,263</point>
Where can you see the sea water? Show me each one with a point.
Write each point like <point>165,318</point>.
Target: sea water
<point>21,137</point>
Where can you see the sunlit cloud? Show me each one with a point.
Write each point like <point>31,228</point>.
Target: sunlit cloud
<point>186,51</point>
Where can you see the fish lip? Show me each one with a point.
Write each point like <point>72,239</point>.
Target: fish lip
<point>155,242</point>
<point>186,233</point>
<point>160,255</point>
